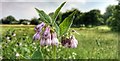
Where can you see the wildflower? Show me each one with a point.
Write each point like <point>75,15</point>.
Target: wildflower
<point>69,42</point>
<point>45,41</point>
<point>8,38</point>
<point>14,34</point>
<point>54,39</point>
<point>17,55</point>
<point>20,44</point>
<point>74,42</point>
<point>42,42</point>
<point>65,42</point>
<point>36,36</point>
<point>39,27</point>
<point>46,37</point>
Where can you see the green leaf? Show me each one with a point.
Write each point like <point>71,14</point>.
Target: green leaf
<point>37,54</point>
<point>57,29</point>
<point>57,12</point>
<point>44,16</point>
<point>66,24</point>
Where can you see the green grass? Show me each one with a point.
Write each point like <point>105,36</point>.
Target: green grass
<point>94,43</point>
<point>97,43</point>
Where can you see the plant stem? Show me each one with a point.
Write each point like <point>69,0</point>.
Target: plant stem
<point>54,52</point>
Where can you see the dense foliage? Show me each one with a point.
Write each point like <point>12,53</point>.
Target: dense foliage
<point>114,20</point>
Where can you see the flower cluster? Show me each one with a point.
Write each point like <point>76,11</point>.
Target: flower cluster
<point>38,29</point>
<point>48,36</point>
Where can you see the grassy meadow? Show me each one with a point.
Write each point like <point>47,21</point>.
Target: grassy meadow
<point>94,43</point>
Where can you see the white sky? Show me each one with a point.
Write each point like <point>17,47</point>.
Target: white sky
<point>24,9</point>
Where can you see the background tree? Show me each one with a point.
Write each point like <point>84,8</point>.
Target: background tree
<point>76,22</point>
<point>24,21</point>
<point>34,21</point>
<point>108,13</point>
<point>114,20</point>
<point>8,20</point>
<point>118,2</point>
<point>92,18</point>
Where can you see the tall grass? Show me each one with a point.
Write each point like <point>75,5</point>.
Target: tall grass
<point>94,43</point>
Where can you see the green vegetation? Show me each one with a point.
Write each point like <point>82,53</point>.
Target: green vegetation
<point>94,43</point>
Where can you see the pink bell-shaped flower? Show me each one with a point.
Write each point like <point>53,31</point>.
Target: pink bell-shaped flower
<point>46,37</point>
<point>48,41</point>
<point>36,36</point>
<point>69,42</point>
<point>74,42</point>
<point>66,42</point>
<point>54,39</point>
<point>42,42</point>
<point>39,27</point>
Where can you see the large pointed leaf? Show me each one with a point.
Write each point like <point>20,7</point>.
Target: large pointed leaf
<point>57,12</point>
<point>57,29</point>
<point>55,17</point>
<point>37,54</point>
<point>66,24</point>
<point>44,16</point>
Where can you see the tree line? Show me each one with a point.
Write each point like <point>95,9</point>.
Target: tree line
<point>88,19</point>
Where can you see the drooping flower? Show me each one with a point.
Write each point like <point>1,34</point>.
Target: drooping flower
<point>42,42</point>
<point>74,42</point>
<point>36,36</point>
<point>48,41</point>
<point>69,42</point>
<point>66,42</point>
<point>46,37</point>
<point>54,39</point>
<point>46,33</point>
<point>39,27</point>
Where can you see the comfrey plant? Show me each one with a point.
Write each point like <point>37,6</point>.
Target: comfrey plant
<point>51,34</point>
